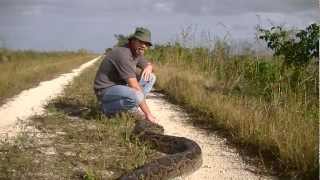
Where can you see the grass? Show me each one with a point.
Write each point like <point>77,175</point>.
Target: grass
<point>67,148</point>
<point>73,141</point>
<point>20,70</point>
<point>267,109</point>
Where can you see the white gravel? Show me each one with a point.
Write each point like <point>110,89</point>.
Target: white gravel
<point>219,160</point>
<point>30,102</point>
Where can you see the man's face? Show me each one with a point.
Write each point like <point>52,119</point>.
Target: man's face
<point>139,47</point>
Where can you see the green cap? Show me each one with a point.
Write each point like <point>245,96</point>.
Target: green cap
<point>142,34</point>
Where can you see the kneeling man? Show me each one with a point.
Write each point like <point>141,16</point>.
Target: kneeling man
<point>116,84</point>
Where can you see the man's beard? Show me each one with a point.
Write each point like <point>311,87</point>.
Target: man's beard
<point>140,51</point>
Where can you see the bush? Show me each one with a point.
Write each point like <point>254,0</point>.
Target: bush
<point>298,48</point>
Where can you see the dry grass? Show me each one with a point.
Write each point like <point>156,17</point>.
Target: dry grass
<point>284,132</point>
<point>71,148</point>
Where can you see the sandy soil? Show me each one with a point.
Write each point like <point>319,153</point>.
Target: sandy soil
<point>30,102</point>
<point>219,160</point>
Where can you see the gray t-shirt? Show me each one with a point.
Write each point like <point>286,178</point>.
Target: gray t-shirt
<point>117,67</point>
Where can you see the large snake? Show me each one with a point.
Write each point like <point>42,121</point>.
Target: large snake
<point>183,155</point>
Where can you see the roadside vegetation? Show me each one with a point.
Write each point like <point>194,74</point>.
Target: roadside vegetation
<point>20,70</point>
<point>73,141</point>
<point>266,104</point>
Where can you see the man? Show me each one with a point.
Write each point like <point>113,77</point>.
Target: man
<point>116,84</point>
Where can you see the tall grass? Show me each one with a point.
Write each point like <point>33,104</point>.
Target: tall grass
<point>255,98</point>
<point>21,70</point>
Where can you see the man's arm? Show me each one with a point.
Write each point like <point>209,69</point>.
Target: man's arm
<point>133,83</point>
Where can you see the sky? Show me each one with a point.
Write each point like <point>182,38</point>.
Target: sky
<point>92,24</point>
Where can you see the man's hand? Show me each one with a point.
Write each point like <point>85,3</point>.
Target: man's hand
<point>151,118</point>
<point>133,83</point>
<point>146,72</point>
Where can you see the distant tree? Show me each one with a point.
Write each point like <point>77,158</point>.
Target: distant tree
<point>107,51</point>
<point>2,42</point>
<point>297,47</point>
<point>122,39</point>
<point>83,51</point>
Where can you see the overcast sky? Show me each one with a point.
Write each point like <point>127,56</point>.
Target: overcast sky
<point>91,24</point>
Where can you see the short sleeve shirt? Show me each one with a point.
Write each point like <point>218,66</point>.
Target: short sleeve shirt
<point>117,67</point>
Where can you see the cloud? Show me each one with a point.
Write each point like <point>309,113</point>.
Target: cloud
<point>218,7</point>
<point>56,24</point>
<point>192,7</point>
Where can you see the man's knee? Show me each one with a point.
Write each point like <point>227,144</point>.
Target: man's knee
<point>130,100</point>
<point>135,97</point>
<point>138,97</point>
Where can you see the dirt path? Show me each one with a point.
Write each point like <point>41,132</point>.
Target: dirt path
<point>30,102</point>
<point>219,160</point>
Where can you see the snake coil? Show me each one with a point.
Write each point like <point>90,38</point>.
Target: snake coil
<point>183,155</point>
